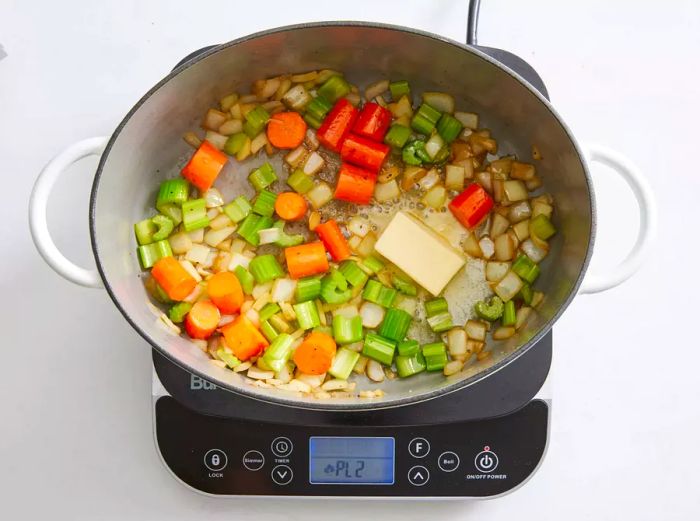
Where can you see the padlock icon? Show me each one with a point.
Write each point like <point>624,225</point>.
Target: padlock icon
<point>215,460</point>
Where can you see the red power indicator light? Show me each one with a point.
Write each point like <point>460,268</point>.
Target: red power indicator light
<point>487,448</point>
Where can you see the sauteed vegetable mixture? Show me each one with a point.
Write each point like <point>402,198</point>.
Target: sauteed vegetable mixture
<point>358,254</point>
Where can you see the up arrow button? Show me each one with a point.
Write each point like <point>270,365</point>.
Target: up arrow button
<point>418,476</point>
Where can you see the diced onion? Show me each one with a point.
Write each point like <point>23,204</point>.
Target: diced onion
<point>260,289</point>
<point>216,139</point>
<point>180,243</point>
<point>220,221</point>
<point>214,237</point>
<point>313,163</point>
<point>429,180</point>
<point>366,246</point>
<point>253,316</point>
<point>238,259</point>
<point>372,315</point>
<point>269,235</point>
<point>258,142</point>
<point>189,268</point>
<point>434,145</point>
<point>522,171</point>
<point>358,226</point>
<point>230,127</point>
<point>519,212</point>
<point>226,319</point>
<point>312,380</point>
<point>440,101</point>
<point>504,248</point>
<point>457,341</point>
<point>495,271</point>
<point>515,190</point>
<point>353,98</point>
<point>213,119</point>
<point>487,247</point>
<point>435,198</point>
<point>375,371</point>
<point>384,192</point>
<point>296,98</point>
<point>348,310</point>
<point>196,235</point>
<point>283,290</point>
<point>311,140</point>
<point>540,208</point>
<point>522,230</point>
<point>354,242</point>
<point>454,177</point>
<point>508,287</point>
<point>198,253</point>
<point>376,89</point>
<point>401,108</point>
<point>411,176</point>
<point>259,374</point>
<point>471,246</point>
<point>296,156</point>
<point>499,225</point>
<point>452,367</point>
<point>320,195</point>
<point>388,172</point>
<point>476,330</point>
<point>468,119</point>
<point>533,251</point>
<point>504,332</point>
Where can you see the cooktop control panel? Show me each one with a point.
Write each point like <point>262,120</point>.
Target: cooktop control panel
<point>226,456</point>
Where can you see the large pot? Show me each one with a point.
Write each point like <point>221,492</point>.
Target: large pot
<point>147,147</point>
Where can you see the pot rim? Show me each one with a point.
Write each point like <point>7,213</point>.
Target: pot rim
<point>359,405</point>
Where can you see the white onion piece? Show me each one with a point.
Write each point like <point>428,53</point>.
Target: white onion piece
<point>484,179</point>
<point>401,108</point>
<point>499,225</point>
<point>487,247</point>
<point>408,304</point>
<point>216,139</point>
<point>213,198</point>
<point>296,98</point>
<point>283,290</point>
<point>435,197</point>
<point>434,145</point>
<point>515,190</point>
<point>471,246</point>
<point>213,119</point>
<point>269,235</point>
<point>189,268</point>
<point>296,156</point>
<point>504,247</point>
<point>521,316</point>
<point>358,226</point>
<point>540,208</point>
<point>320,195</point>
<point>468,119</point>
<point>457,341</point>
<point>376,89</point>
<point>522,230</point>
<point>476,330</point>
<point>313,163</point>
<point>311,140</point>
<point>354,99</point>
<point>454,177</point>
<point>375,371</point>
<point>259,374</point>
<point>180,243</point>
<point>504,332</point>
<point>522,171</point>
<point>312,380</point>
<point>198,253</point>
<point>258,142</point>
<point>372,315</point>
<point>384,192</point>
<point>508,287</point>
<point>254,317</point>
<point>196,235</point>
<point>440,101</point>
<point>221,221</point>
<point>348,311</point>
<point>366,246</point>
<point>495,271</point>
<point>453,367</point>
<point>260,289</point>
<point>519,212</point>
<point>215,237</point>
<point>230,127</point>
<point>429,180</point>
<point>238,259</point>
<point>194,295</point>
<point>533,251</point>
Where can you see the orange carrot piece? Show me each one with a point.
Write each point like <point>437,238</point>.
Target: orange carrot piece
<point>202,319</point>
<point>290,206</point>
<point>355,184</point>
<point>333,239</point>
<point>286,130</point>
<point>315,354</point>
<point>204,166</point>
<point>225,292</point>
<point>243,338</point>
<point>173,278</point>
<point>306,259</point>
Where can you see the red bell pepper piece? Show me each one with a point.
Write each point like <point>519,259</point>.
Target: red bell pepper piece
<point>205,166</point>
<point>333,239</point>
<point>364,152</point>
<point>373,122</point>
<point>471,206</point>
<point>337,125</point>
<point>355,184</point>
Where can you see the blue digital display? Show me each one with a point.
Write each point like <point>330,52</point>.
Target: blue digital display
<point>351,461</point>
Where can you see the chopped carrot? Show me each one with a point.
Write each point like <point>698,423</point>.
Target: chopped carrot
<point>290,206</point>
<point>355,184</point>
<point>243,338</point>
<point>333,239</point>
<point>306,259</point>
<point>205,166</point>
<point>202,319</point>
<point>173,278</point>
<point>286,130</point>
<point>225,292</point>
<point>315,354</point>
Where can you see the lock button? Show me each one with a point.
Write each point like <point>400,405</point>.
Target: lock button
<point>215,460</point>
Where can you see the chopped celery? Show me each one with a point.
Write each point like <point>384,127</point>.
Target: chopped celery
<point>435,306</point>
<point>265,203</point>
<point>238,209</point>
<point>448,127</point>
<point>279,351</point>
<point>372,264</point>
<point>262,177</point>
<point>144,231</point>
<point>508,318</point>
<point>441,322</point>
<point>307,314</point>
<point>268,330</point>
<point>395,324</point>
<point>255,121</point>
<point>318,108</point>
<point>491,311</point>
<point>172,192</point>
<point>178,311</point>
<point>194,214</point>
<point>525,268</point>
<point>408,347</point>
<point>435,356</point>
<point>398,89</point>
<point>313,121</point>
<point>526,293</point>
<point>308,288</point>
<point>268,310</point>
<point>409,365</point>
<point>251,225</point>
<point>347,330</point>
<point>235,143</point>
<point>354,275</point>
<point>334,288</point>
<point>165,227</point>
<point>425,119</point>
<point>285,240</point>
<point>397,136</point>
<point>300,182</point>
<point>334,88</point>
<point>230,360</point>
<point>379,294</point>
<point>149,254</point>
<point>265,268</point>
<point>404,285</point>
<point>541,227</point>
<point>343,363</point>
<point>379,348</point>
<point>245,278</point>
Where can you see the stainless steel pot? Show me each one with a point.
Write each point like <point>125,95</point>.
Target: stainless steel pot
<point>147,147</point>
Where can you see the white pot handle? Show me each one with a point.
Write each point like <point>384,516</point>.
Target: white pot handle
<point>595,282</point>
<point>37,212</point>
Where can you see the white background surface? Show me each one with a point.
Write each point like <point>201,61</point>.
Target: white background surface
<point>75,419</point>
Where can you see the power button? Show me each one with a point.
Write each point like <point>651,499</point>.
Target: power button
<point>486,461</point>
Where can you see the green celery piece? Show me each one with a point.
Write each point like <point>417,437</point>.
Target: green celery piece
<point>308,288</point>
<point>238,209</point>
<point>397,136</point>
<point>265,203</point>
<point>226,357</point>
<point>234,143</point>
<point>379,348</point>
<point>194,215</point>
<point>178,311</point>
<point>508,318</point>
<point>449,127</point>
<point>542,228</point>
<point>395,324</point>
<point>410,365</point>
<point>149,254</point>
<point>245,278</point>
<point>398,89</point>
<point>279,351</point>
<point>435,355</point>
<point>300,182</point>
<point>268,310</point>
<point>172,192</point>
<point>144,231</point>
<point>165,227</point>
<point>347,330</point>
<point>268,330</point>
<point>265,268</point>
<point>255,121</point>
<point>343,363</point>
<point>334,88</point>
<point>404,285</point>
<point>491,311</point>
<point>408,348</point>
<point>307,314</point>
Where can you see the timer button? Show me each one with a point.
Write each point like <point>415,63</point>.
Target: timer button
<point>419,447</point>
<point>418,476</point>
<point>282,447</point>
<point>215,460</point>
<point>253,460</point>
<point>448,461</point>
<point>486,461</point>
<point>282,474</point>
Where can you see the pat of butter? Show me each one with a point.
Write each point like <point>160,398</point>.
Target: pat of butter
<point>420,252</point>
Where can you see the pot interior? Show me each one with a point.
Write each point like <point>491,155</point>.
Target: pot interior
<point>148,147</point>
